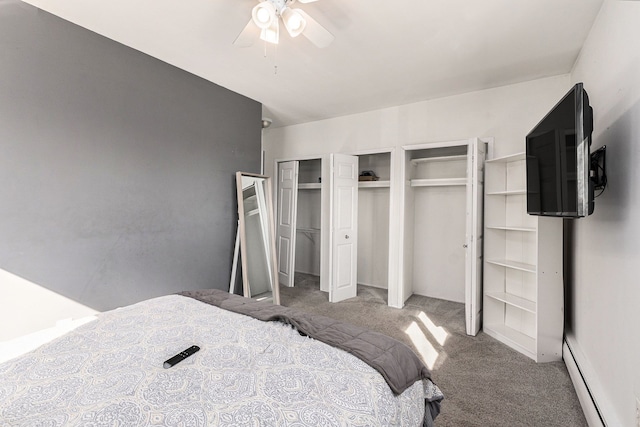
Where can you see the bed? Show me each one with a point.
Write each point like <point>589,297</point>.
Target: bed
<point>248,372</point>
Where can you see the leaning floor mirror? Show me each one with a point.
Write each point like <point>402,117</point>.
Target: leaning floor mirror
<point>257,237</point>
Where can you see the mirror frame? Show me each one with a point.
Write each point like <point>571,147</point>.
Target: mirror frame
<point>275,286</point>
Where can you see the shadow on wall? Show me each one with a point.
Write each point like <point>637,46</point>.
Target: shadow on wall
<point>620,199</point>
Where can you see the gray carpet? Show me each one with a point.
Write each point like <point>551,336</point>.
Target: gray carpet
<point>485,383</point>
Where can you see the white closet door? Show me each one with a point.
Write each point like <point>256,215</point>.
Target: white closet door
<point>473,275</point>
<point>344,227</point>
<point>286,229</point>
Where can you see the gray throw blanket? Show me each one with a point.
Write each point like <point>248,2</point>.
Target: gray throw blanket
<point>395,361</point>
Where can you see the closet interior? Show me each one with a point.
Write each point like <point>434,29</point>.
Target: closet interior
<point>309,217</point>
<point>436,199</point>
<point>373,219</point>
<point>429,211</point>
<point>311,205</point>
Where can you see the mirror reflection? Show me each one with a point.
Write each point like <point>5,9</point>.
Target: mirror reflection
<point>257,241</point>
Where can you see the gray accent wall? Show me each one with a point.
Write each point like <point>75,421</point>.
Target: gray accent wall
<point>116,170</point>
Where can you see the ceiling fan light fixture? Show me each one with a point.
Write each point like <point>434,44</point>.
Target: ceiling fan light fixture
<point>293,21</point>
<point>264,15</point>
<point>265,23</point>
<point>271,34</point>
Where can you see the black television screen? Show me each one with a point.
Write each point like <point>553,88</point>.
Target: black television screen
<point>558,159</point>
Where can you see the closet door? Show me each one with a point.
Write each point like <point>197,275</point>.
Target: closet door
<point>286,227</point>
<point>474,237</point>
<point>344,227</point>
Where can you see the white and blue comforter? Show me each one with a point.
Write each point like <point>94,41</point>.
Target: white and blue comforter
<point>248,373</point>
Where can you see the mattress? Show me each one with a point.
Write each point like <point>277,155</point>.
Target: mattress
<point>247,373</point>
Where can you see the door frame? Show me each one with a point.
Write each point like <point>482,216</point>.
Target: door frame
<point>325,225</point>
<point>401,293</point>
<point>395,212</point>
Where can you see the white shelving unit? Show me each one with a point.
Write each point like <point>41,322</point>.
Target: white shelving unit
<point>523,300</point>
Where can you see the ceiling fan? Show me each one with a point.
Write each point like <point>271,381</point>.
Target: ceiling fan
<point>265,24</point>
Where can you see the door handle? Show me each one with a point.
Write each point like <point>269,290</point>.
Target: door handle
<point>346,236</point>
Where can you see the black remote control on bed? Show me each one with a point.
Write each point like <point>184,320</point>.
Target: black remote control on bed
<point>180,356</point>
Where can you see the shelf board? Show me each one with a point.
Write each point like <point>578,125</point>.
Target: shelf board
<point>510,158</point>
<point>507,192</point>
<point>446,182</point>
<point>516,339</point>
<point>511,228</point>
<point>308,230</point>
<point>513,300</point>
<point>513,265</point>
<point>439,159</point>
<point>374,184</point>
<point>309,186</point>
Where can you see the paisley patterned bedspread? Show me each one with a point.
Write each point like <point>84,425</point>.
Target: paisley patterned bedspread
<point>248,373</point>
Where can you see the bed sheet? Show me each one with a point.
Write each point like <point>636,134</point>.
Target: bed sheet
<point>247,373</point>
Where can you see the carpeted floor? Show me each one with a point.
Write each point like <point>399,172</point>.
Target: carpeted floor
<point>485,383</point>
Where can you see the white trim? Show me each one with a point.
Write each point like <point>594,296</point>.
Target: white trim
<point>370,151</point>
<point>440,144</point>
<point>595,405</point>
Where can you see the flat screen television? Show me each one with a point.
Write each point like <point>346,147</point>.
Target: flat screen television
<point>558,159</point>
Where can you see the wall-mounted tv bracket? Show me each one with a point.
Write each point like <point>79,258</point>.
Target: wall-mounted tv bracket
<point>598,172</point>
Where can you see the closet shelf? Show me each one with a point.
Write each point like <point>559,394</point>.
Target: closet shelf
<point>446,182</point>
<point>374,184</point>
<point>310,233</point>
<point>309,186</point>
<point>515,265</point>
<point>308,230</point>
<point>507,192</point>
<point>439,159</point>
<point>513,300</point>
<point>512,228</point>
<point>509,158</point>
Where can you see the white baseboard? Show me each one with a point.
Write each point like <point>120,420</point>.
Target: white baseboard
<point>594,404</point>
<point>582,390</point>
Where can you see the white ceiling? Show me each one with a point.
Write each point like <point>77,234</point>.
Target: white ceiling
<point>385,53</point>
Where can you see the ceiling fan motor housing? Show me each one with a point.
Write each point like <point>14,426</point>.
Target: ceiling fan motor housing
<point>280,4</point>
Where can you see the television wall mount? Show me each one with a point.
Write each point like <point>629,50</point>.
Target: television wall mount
<point>598,172</point>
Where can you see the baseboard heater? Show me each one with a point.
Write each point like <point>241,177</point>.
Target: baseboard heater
<point>587,400</point>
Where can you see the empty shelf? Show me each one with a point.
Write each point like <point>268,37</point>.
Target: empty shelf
<point>513,264</point>
<point>514,300</point>
<point>444,182</point>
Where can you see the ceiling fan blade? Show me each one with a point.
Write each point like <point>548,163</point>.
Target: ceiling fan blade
<point>247,36</point>
<point>307,1</point>
<point>315,32</point>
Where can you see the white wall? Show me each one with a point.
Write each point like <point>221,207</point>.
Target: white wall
<point>19,297</point>
<point>506,113</point>
<point>605,323</point>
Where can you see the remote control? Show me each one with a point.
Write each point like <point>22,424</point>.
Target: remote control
<point>180,356</point>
